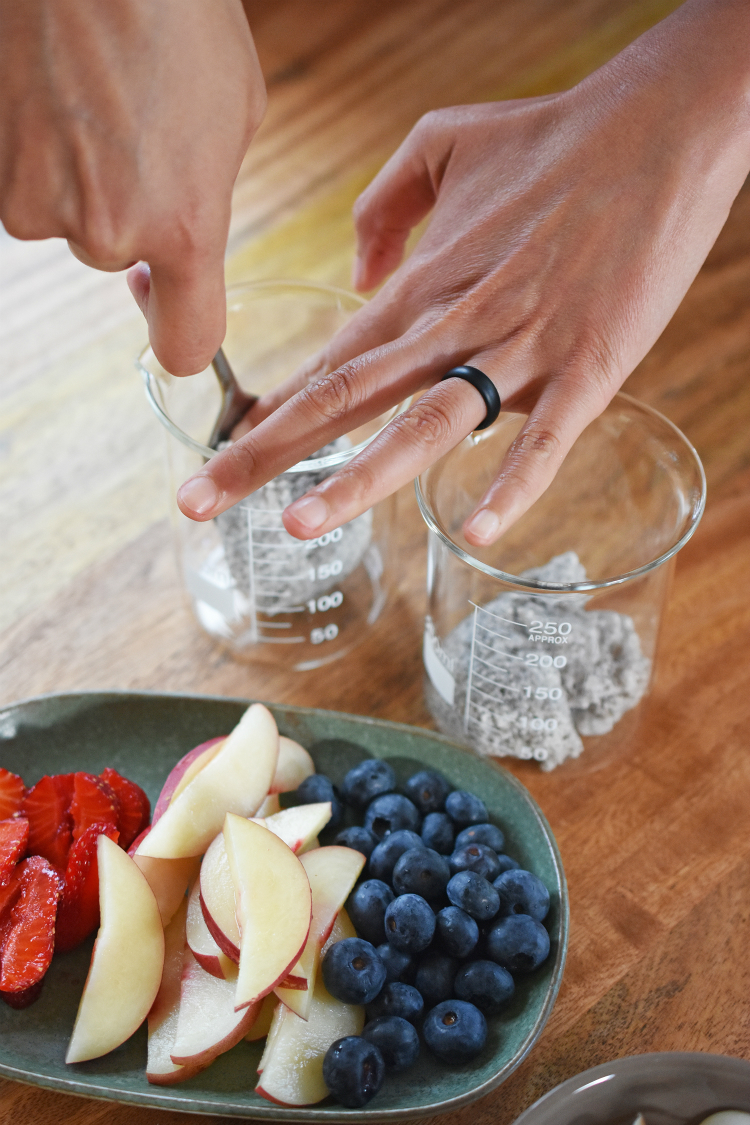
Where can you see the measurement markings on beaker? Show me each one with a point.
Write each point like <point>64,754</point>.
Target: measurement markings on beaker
<point>265,590</point>
<point>486,660</point>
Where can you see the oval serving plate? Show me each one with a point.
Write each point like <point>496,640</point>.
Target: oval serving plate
<point>142,735</point>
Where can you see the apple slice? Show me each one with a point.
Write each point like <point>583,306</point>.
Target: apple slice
<point>127,962</point>
<point>217,899</point>
<point>207,1024</point>
<point>298,826</point>
<point>262,1025</point>
<point>203,947</point>
<point>342,928</point>
<point>186,765</point>
<point>293,766</point>
<point>292,1063</point>
<point>235,781</point>
<point>169,879</point>
<point>209,752</point>
<point>269,807</point>
<point>162,1019</point>
<point>274,906</point>
<point>332,872</point>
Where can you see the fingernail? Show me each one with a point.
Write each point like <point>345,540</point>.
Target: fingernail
<point>310,511</point>
<point>484,524</point>
<point>199,494</point>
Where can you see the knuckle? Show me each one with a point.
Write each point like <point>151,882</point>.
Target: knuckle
<point>429,422</point>
<point>537,441</point>
<point>333,397</point>
<point>240,461</point>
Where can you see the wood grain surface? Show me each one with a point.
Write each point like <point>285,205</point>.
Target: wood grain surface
<point>656,846</point>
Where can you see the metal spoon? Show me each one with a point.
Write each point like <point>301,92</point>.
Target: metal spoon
<point>235,403</point>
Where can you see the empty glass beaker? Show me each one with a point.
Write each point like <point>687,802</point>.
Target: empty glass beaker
<point>544,643</point>
<point>268,596</point>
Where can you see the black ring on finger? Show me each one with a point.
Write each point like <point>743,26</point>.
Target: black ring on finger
<point>486,388</point>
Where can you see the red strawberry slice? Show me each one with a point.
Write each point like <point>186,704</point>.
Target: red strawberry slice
<point>93,802</point>
<point>28,930</point>
<point>14,835</point>
<point>135,808</point>
<point>78,913</point>
<point>12,790</point>
<point>46,806</point>
<point>25,997</point>
<point>8,895</point>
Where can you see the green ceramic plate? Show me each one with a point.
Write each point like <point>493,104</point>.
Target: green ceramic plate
<point>142,735</point>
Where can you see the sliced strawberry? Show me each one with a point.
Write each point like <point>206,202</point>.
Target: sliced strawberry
<point>28,932</point>
<point>46,807</point>
<point>8,896</point>
<point>12,790</point>
<point>78,913</point>
<point>93,802</point>
<point>14,836</point>
<point>135,807</point>
<point>25,997</point>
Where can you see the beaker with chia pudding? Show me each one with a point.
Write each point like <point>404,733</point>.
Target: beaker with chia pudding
<point>543,645</point>
<point>265,595</point>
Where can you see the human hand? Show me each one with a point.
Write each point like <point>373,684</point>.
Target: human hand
<point>565,231</point>
<point>122,129</point>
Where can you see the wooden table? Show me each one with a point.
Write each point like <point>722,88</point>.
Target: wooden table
<point>656,850</point>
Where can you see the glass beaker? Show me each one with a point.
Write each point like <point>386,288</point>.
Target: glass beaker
<point>544,643</point>
<point>265,595</point>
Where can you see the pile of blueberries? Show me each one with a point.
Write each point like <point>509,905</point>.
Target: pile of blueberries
<point>445,921</point>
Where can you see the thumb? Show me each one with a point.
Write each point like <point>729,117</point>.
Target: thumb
<point>401,194</point>
<point>185,310</point>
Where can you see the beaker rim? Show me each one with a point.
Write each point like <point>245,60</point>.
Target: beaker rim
<point>312,464</point>
<point>564,588</point>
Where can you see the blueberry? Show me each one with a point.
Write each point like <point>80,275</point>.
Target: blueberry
<point>485,984</point>
<point>437,832</point>
<point>428,790</point>
<point>352,971</point>
<point>475,857</point>
<point>358,838</point>
<point>472,893</point>
<point>464,808</point>
<point>318,787</point>
<point>521,892</point>
<point>435,977</point>
<point>367,906</point>
<point>396,999</point>
<point>390,813</point>
<point>397,1041</point>
<point>488,834</point>
<point>421,871</point>
<point>455,1031</point>
<point>456,932</point>
<point>518,942</point>
<point>353,1070</point>
<point>507,863</point>
<point>383,858</point>
<point>399,966</point>
<point>409,923</point>
<point>367,781</point>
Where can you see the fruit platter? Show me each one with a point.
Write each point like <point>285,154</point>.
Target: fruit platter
<point>292,913</point>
